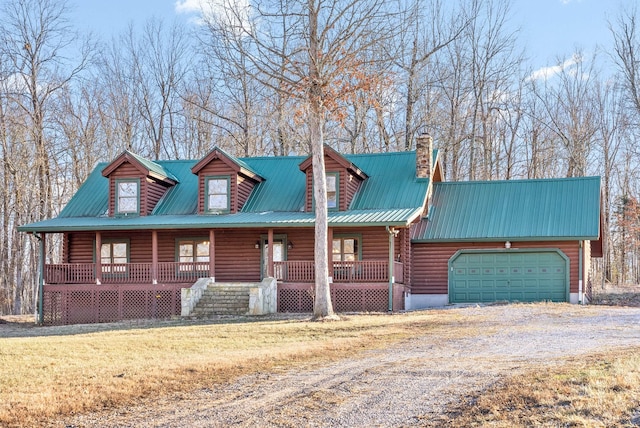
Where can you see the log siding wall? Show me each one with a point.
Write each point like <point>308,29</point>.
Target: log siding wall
<point>150,191</point>
<point>352,184</point>
<point>124,171</point>
<point>236,258</point>
<point>240,187</point>
<point>245,186</point>
<point>406,254</point>
<point>348,186</point>
<point>217,168</point>
<point>154,192</point>
<point>430,269</point>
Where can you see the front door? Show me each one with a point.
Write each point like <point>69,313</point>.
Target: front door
<point>279,255</point>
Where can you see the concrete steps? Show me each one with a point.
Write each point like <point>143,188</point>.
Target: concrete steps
<point>231,299</point>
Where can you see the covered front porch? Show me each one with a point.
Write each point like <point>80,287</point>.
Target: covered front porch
<point>113,272</point>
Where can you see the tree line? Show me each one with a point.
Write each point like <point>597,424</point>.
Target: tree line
<point>256,78</point>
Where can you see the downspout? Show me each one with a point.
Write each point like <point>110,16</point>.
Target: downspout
<point>392,234</point>
<point>580,275</point>
<point>40,318</point>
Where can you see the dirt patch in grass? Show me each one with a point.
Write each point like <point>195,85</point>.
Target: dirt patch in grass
<point>598,390</point>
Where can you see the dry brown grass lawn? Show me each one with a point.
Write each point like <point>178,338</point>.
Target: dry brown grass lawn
<point>598,391</point>
<point>47,377</point>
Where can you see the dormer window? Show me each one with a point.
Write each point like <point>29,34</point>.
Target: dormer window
<point>343,179</point>
<point>128,197</point>
<point>217,194</point>
<point>333,182</point>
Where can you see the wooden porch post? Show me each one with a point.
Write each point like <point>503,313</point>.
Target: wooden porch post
<point>98,258</point>
<point>270,253</point>
<point>154,257</point>
<point>330,252</point>
<point>43,253</point>
<point>212,255</point>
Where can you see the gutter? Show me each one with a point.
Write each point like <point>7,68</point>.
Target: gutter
<point>392,234</point>
<point>580,275</point>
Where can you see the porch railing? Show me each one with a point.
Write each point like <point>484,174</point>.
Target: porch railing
<point>70,273</point>
<point>125,273</point>
<point>179,272</point>
<point>342,272</point>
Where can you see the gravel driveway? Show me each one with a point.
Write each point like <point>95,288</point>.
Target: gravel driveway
<point>400,385</point>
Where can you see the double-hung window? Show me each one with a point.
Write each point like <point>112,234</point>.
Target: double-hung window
<point>346,249</point>
<point>333,196</point>
<point>217,194</point>
<point>345,253</point>
<point>114,257</point>
<point>127,197</point>
<point>193,255</point>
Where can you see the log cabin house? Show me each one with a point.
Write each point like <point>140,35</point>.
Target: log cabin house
<point>137,232</point>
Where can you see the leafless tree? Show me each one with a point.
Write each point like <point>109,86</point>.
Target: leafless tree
<point>428,27</point>
<point>318,65</point>
<point>35,35</point>
<point>568,100</point>
<point>611,123</point>
<point>626,54</point>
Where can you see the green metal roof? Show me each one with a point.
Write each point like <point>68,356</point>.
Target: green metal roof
<point>390,196</point>
<point>153,166</point>
<point>180,199</point>
<point>283,188</point>
<point>392,181</point>
<point>392,217</point>
<point>238,161</point>
<point>551,209</point>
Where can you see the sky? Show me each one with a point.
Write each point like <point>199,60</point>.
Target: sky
<point>550,29</point>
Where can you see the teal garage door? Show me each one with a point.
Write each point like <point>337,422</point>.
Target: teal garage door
<point>514,275</point>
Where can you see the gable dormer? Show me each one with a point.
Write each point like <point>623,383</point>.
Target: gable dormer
<point>136,184</point>
<point>224,183</point>
<point>343,180</point>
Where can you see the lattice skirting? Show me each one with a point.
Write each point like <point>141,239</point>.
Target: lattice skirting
<point>345,298</point>
<point>81,304</point>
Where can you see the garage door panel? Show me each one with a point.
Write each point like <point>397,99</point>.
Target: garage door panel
<point>517,284</point>
<point>501,283</point>
<point>501,295</point>
<point>488,258</point>
<point>513,276</point>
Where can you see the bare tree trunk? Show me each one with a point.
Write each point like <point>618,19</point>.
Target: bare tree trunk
<point>322,307</point>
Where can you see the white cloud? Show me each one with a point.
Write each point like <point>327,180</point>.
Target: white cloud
<point>199,8</point>
<point>189,6</point>
<point>546,73</point>
<point>205,10</point>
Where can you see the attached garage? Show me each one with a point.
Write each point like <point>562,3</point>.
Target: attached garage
<point>514,240</point>
<point>525,275</point>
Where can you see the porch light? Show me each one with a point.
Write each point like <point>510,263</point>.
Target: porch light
<point>289,245</point>
<point>257,244</point>
<point>507,244</point>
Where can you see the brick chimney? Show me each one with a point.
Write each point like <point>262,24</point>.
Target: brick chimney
<point>424,156</point>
